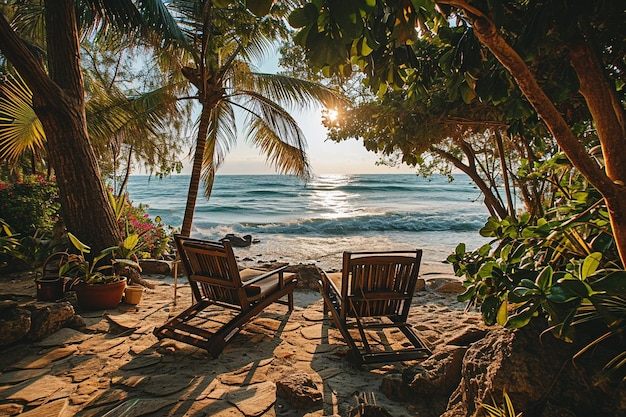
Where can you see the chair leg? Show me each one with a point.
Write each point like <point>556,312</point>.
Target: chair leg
<point>290,300</point>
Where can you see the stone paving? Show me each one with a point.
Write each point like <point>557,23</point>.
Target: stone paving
<point>117,367</point>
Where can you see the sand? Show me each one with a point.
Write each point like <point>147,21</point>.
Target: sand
<point>119,368</point>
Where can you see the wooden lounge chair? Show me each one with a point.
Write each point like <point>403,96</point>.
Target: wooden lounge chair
<point>374,292</point>
<point>215,279</point>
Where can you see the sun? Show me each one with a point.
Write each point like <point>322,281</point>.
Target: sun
<point>330,116</point>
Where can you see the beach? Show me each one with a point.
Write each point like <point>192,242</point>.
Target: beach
<point>117,367</point>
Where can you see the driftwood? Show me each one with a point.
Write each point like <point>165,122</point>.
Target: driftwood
<point>133,277</point>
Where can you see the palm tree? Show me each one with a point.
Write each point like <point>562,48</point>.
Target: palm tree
<point>223,41</point>
<point>58,97</point>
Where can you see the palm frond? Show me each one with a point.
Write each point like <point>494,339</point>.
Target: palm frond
<point>222,135</point>
<point>271,128</point>
<point>290,91</point>
<point>20,129</point>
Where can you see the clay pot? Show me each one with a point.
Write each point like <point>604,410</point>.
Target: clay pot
<point>132,294</point>
<point>100,296</point>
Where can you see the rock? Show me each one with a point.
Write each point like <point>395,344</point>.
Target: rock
<point>308,275</point>
<point>14,324</point>
<point>48,318</point>
<point>155,266</point>
<point>535,370</point>
<point>438,375</point>
<point>467,336</point>
<point>54,408</point>
<point>446,285</point>
<point>299,390</point>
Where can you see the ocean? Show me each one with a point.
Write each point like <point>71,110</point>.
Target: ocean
<point>314,222</point>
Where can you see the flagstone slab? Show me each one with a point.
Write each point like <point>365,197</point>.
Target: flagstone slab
<point>100,343</point>
<point>34,389</point>
<point>22,375</point>
<point>313,332</point>
<point>319,348</point>
<point>313,315</point>
<point>44,361</point>
<point>142,361</point>
<point>109,396</point>
<point>251,373</point>
<point>164,385</point>
<point>253,400</point>
<point>63,337</point>
<point>11,409</point>
<point>125,321</point>
<point>89,367</point>
<point>329,373</point>
<point>51,409</point>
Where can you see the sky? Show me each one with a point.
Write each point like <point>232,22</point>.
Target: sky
<point>325,157</point>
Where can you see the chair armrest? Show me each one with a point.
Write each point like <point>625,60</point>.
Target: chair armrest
<point>268,274</point>
<point>329,285</point>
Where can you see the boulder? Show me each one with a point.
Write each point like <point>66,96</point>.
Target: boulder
<point>14,322</point>
<point>538,374</point>
<point>34,320</point>
<point>308,275</point>
<point>48,318</point>
<point>155,266</point>
<point>429,383</point>
<point>299,390</point>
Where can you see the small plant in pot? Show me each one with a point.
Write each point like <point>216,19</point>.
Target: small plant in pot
<point>97,285</point>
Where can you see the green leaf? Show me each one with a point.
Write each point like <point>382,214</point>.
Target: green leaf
<point>544,280</point>
<point>590,265</point>
<point>468,294</point>
<point>303,16</point>
<point>78,244</point>
<point>259,8</point>
<point>522,318</point>
<point>131,241</point>
<point>489,310</point>
<point>502,315</point>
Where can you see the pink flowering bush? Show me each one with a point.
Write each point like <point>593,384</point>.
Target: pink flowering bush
<point>153,237</point>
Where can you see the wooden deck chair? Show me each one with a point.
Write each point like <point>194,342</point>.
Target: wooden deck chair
<point>374,291</point>
<point>215,279</point>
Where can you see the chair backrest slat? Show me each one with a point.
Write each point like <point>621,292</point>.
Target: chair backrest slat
<point>387,280</point>
<point>212,270</point>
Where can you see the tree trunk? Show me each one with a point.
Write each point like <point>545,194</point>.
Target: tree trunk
<point>196,170</point>
<point>59,103</point>
<point>491,201</point>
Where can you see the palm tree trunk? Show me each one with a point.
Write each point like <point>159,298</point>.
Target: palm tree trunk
<point>58,100</point>
<point>196,170</point>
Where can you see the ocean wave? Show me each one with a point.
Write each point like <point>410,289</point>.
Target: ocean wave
<point>365,224</point>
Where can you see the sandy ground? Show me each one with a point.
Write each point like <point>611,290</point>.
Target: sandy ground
<point>119,368</point>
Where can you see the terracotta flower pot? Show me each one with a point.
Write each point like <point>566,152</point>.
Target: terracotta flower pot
<point>100,296</point>
<point>132,294</point>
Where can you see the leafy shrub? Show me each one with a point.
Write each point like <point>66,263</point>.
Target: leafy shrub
<point>31,206</point>
<point>9,245</point>
<point>563,267</point>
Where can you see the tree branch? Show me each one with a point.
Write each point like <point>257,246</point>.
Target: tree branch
<point>488,35</point>
<point>29,67</point>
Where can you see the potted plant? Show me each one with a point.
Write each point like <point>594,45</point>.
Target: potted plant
<point>97,285</point>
